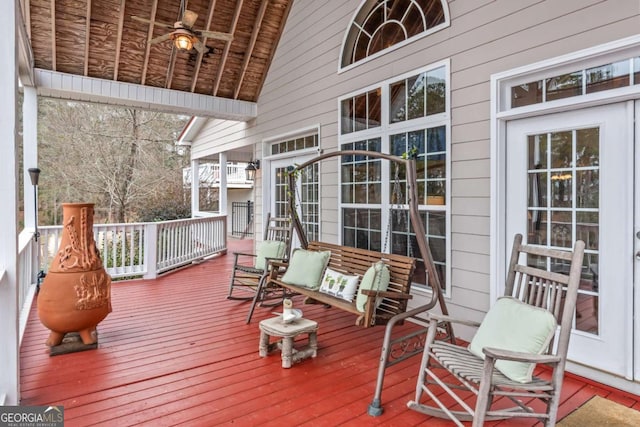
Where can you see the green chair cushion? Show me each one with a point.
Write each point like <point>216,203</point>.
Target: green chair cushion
<point>268,249</point>
<point>306,267</point>
<point>513,325</point>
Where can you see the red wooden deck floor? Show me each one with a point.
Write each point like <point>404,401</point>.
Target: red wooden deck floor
<point>175,351</point>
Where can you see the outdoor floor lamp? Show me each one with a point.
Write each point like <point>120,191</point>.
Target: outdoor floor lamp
<point>34,174</point>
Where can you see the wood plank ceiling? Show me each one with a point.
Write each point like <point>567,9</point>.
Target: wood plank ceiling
<point>99,38</point>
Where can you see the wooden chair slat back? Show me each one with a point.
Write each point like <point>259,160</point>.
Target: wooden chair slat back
<point>555,291</point>
<point>279,229</point>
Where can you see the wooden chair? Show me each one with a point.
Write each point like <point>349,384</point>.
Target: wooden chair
<point>250,268</point>
<point>543,290</point>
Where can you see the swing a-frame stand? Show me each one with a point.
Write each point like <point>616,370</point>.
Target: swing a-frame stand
<point>394,349</point>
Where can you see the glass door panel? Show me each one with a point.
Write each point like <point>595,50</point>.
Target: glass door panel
<point>570,177</point>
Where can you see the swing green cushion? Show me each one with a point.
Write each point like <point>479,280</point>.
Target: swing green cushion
<point>268,249</point>
<point>513,325</point>
<point>306,267</point>
<point>375,278</point>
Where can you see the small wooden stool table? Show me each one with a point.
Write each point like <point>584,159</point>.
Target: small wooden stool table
<point>288,331</point>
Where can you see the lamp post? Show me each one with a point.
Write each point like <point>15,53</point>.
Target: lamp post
<point>34,174</point>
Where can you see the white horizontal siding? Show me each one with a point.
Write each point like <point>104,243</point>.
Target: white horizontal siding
<point>221,136</point>
<point>485,37</point>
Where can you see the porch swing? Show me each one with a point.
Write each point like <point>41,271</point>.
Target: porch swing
<point>381,306</point>
<point>388,307</point>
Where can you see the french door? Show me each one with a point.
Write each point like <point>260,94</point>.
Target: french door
<point>306,193</point>
<point>571,176</point>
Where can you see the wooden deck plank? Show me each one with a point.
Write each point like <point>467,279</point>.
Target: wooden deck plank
<point>176,351</point>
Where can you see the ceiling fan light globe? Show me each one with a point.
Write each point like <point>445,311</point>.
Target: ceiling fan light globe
<point>183,42</point>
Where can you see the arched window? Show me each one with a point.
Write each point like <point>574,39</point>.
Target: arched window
<point>380,24</point>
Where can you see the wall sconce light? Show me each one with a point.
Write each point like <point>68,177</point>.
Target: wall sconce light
<point>182,39</point>
<point>251,169</point>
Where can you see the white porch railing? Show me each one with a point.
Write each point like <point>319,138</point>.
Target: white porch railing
<point>27,276</point>
<point>127,250</point>
<point>147,249</point>
<point>209,174</point>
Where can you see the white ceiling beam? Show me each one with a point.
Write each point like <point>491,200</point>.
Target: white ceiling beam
<point>79,88</point>
<point>25,54</point>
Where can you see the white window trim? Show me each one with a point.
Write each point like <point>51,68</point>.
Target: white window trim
<point>501,84</point>
<point>341,69</point>
<point>384,131</point>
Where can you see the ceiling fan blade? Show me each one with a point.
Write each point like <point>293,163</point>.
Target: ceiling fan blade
<point>189,18</point>
<point>200,47</point>
<point>148,21</point>
<point>215,35</point>
<point>160,39</point>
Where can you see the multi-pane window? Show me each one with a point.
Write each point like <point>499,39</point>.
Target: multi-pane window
<point>362,228</point>
<point>307,191</point>
<point>580,82</point>
<point>360,112</point>
<point>361,176</point>
<point>379,25</point>
<point>404,240</point>
<point>373,192</point>
<point>431,162</point>
<point>306,196</point>
<point>295,144</point>
<point>309,201</point>
<point>563,202</point>
<point>418,96</point>
<point>280,189</point>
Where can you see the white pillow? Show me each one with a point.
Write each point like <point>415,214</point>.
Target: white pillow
<point>513,325</point>
<point>339,284</point>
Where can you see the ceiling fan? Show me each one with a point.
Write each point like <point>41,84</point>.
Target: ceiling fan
<point>184,36</point>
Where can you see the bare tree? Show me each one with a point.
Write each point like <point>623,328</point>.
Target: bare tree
<point>122,159</point>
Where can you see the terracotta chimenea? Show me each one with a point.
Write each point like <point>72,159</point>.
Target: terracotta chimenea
<point>76,293</point>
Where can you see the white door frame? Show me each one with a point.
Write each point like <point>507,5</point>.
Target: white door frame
<point>636,249</point>
<point>501,113</point>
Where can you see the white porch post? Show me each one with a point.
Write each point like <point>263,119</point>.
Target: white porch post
<point>195,187</point>
<point>222,193</point>
<point>9,356</point>
<point>30,151</point>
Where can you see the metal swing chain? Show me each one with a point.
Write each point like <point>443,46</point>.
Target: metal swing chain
<point>402,217</point>
<point>397,192</point>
